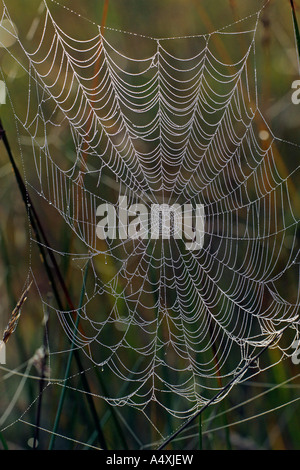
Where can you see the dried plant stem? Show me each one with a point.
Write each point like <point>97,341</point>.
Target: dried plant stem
<point>104,15</point>
<point>43,241</point>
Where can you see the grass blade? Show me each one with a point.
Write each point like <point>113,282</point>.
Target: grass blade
<point>67,372</point>
<point>296,28</point>
<point>43,367</point>
<point>14,318</point>
<point>200,433</point>
<point>3,441</point>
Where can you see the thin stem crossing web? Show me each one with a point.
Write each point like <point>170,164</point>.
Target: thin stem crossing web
<point>176,125</point>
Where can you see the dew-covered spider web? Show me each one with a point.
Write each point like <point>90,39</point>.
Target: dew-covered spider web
<point>106,114</point>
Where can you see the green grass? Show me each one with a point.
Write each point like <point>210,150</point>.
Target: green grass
<point>296,26</point>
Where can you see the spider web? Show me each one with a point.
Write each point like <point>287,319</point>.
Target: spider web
<point>180,125</point>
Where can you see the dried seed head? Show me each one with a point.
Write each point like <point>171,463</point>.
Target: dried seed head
<point>12,324</point>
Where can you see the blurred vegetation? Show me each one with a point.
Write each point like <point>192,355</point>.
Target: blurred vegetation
<point>262,413</point>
